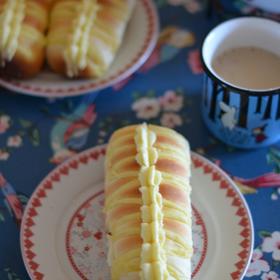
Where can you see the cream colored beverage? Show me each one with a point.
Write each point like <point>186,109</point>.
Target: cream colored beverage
<point>249,67</point>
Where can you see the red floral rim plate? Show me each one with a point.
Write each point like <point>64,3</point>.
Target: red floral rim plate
<point>63,233</point>
<point>139,41</point>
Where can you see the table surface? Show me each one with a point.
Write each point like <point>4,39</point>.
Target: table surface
<point>37,134</point>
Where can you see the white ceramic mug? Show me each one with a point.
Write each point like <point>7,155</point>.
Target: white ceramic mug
<point>241,117</point>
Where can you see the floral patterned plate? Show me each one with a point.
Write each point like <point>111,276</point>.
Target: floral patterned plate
<point>63,234</point>
<point>138,43</point>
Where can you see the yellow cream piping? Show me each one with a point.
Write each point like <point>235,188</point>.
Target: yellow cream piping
<point>10,20</point>
<point>76,52</point>
<point>153,256</point>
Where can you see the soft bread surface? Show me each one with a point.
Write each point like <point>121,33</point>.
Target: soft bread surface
<point>22,36</point>
<point>147,204</point>
<point>84,35</point>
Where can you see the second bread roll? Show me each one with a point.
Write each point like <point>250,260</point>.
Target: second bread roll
<point>147,204</point>
<point>85,35</point>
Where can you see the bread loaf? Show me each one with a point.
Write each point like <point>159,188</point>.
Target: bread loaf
<point>84,35</point>
<point>147,204</point>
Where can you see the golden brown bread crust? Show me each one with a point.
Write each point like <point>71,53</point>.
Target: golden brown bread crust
<point>104,40</point>
<point>55,52</point>
<point>129,197</point>
<point>57,63</point>
<point>30,53</point>
<point>21,67</point>
<point>28,59</point>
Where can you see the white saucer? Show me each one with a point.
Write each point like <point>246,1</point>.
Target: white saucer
<point>63,235</point>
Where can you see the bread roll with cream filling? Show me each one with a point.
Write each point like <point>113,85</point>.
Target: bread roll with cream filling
<point>147,204</point>
<point>85,35</point>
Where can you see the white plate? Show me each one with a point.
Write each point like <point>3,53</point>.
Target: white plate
<point>62,233</point>
<point>139,41</point>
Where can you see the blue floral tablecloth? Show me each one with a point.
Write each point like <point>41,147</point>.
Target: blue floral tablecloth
<point>38,134</point>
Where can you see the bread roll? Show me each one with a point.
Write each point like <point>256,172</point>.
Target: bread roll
<point>22,39</point>
<point>147,204</point>
<point>85,35</point>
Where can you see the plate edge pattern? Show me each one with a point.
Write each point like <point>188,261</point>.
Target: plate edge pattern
<point>205,243</point>
<point>244,255</point>
<point>36,201</point>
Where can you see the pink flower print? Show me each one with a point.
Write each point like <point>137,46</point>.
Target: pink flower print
<point>86,234</point>
<point>146,108</point>
<point>195,62</point>
<point>14,141</point>
<point>4,155</point>
<point>270,276</point>
<point>171,120</point>
<point>4,123</point>
<point>257,254</point>
<point>256,267</point>
<point>272,245</point>
<point>171,101</point>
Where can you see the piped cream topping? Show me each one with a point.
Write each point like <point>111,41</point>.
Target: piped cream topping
<point>76,52</point>
<point>153,255</point>
<point>10,21</point>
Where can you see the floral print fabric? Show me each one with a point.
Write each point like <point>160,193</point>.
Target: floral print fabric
<point>38,134</point>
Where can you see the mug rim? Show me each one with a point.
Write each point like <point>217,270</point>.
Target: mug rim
<point>240,90</point>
